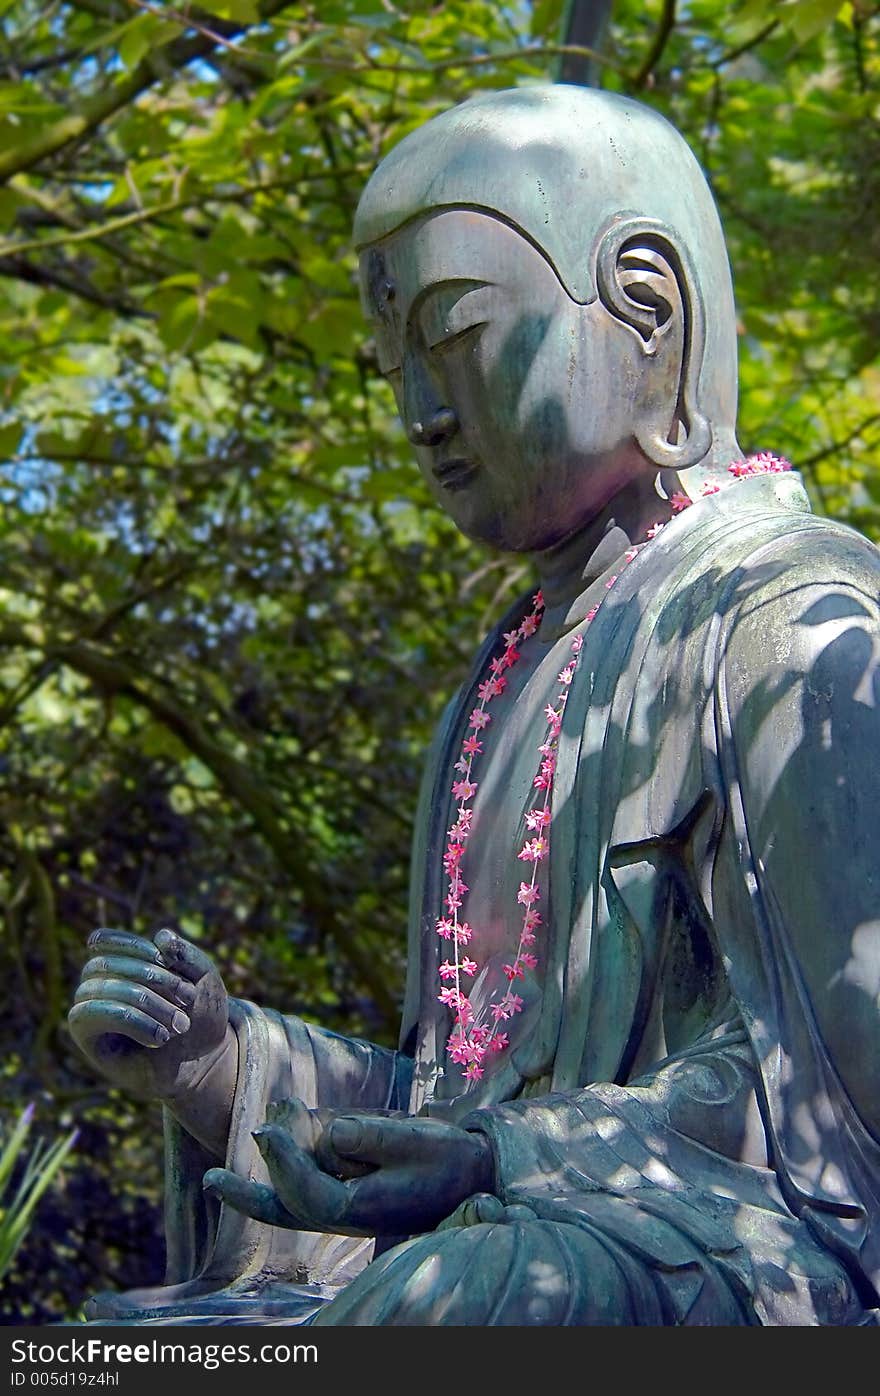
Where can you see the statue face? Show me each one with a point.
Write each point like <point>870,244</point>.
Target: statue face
<point>520,402</point>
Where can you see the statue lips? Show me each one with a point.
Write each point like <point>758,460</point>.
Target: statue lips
<point>454,474</point>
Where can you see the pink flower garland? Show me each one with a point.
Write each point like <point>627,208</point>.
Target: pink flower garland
<point>472,1038</point>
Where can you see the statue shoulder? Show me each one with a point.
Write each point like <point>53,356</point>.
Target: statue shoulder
<point>801,636</point>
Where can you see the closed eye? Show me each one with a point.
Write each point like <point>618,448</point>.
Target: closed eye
<point>455,337</point>
<point>454,311</point>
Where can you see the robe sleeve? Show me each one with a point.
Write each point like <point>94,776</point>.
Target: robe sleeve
<point>278,1057</point>
<point>798,876</point>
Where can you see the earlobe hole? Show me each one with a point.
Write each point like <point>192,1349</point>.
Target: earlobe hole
<point>643,294</point>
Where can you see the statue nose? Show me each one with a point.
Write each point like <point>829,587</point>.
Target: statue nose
<point>438,427</point>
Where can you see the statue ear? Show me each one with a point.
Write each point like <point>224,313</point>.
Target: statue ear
<point>646,282</point>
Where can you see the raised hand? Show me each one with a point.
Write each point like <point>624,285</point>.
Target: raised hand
<point>152,1016</point>
<point>418,1171</point>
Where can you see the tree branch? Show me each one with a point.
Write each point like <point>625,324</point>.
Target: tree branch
<point>18,268</point>
<point>652,58</point>
<point>96,110</point>
<point>747,46</point>
<point>473,60</point>
<point>811,461</point>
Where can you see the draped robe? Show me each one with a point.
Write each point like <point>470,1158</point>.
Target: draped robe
<point>698,1087</point>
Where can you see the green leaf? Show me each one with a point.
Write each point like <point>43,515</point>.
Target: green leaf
<point>547,19</point>
<point>240,11</point>
<point>10,436</point>
<point>807,18</point>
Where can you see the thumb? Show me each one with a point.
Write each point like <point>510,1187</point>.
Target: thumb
<point>182,956</point>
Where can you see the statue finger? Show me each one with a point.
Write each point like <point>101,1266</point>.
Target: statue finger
<point>97,1017</point>
<point>321,1200</point>
<point>381,1140</point>
<point>123,991</point>
<point>480,1207</point>
<point>255,1200</point>
<point>107,941</point>
<point>183,957</point>
<point>160,980</point>
<point>302,1124</point>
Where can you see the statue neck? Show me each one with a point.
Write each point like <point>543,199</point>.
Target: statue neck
<point>568,567</point>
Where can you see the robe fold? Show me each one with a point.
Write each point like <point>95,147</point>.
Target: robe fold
<point>699,1086</point>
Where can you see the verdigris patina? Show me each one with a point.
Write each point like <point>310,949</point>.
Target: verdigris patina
<point>638,1077</point>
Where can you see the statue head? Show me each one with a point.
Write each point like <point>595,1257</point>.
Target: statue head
<point>547,278</point>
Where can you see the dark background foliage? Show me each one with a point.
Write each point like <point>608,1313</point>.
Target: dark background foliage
<point>228,617</point>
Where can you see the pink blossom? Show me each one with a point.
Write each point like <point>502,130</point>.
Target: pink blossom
<point>462,826</point>
<point>472,746</point>
<point>447,970</point>
<point>453,901</point>
<point>460,1052</point>
<point>464,789</point>
<point>462,766</point>
<point>538,818</point>
<point>655,529</point>
<point>478,719</point>
<point>775,465</point>
<point>464,1012</point>
<point>762,463</point>
<point>538,600</point>
<point>514,971</point>
<point>610,583</point>
<point>533,850</point>
<point>498,1042</point>
<point>445,928</point>
<point>529,626</point>
<point>528,894</point>
<point>552,716</point>
<point>468,966</point>
<point>511,637</point>
<point>530,961</point>
<point>542,782</point>
<point>452,856</point>
<point>527,938</point>
<point>532,919</point>
<point>679,501</point>
<point>473,1072</point>
<point>510,657</point>
<point>566,675</point>
<point>631,554</point>
<point>463,933</point>
<point>710,487</point>
<point>577,643</point>
<point>450,997</point>
<point>592,613</point>
<point>497,666</point>
<point>513,1002</point>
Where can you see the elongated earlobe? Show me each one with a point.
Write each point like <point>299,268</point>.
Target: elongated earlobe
<point>646,282</point>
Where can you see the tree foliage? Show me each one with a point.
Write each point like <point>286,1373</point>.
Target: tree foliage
<point>229,615</point>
